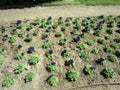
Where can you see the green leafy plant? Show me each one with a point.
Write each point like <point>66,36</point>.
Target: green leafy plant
<point>81,46</point>
<point>97,32</point>
<point>36,32</point>
<point>29,27</point>
<point>66,52</point>
<point>109,31</point>
<point>29,77</point>
<point>112,58</point>
<point>44,36</point>
<point>1,51</point>
<point>84,35</point>
<point>90,42</point>
<point>109,73</point>
<point>58,33</point>
<point>64,28</point>
<point>84,55</point>
<point>49,54</point>
<point>43,25</point>
<point>101,41</point>
<point>21,34</point>
<point>108,49</point>
<point>60,20</point>
<point>46,44</point>
<point>74,32</point>
<point>101,61</point>
<point>114,45</point>
<point>20,56</point>
<point>37,21</point>
<point>52,66</point>
<point>19,26</point>
<point>5,37</point>
<point>12,40</point>
<point>8,81</point>
<point>78,26</point>
<point>34,60</point>
<point>29,38</point>
<point>95,50</point>
<point>63,42</point>
<point>53,80</point>
<point>4,29</point>
<point>72,75</point>
<point>19,69</point>
<point>107,37</point>
<point>55,25</point>
<point>49,29</point>
<point>89,69</point>
<point>117,39</point>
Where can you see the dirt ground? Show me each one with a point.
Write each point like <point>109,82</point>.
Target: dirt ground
<point>6,16</point>
<point>57,11</point>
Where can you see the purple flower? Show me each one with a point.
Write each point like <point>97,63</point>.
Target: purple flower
<point>5,35</point>
<point>71,61</point>
<point>53,63</point>
<point>49,27</point>
<point>101,59</point>
<point>50,51</point>
<point>18,22</point>
<point>101,17</point>
<point>93,67</point>
<point>77,39</point>
<point>31,49</point>
<point>19,46</point>
<point>49,18</point>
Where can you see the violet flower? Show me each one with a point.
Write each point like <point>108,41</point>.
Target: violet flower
<point>53,63</point>
<point>101,59</point>
<point>77,39</point>
<point>31,49</point>
<point>18,22</point>
<point>19,46</point>
<point>71,61</point>
<point>5,35</point>
<point>50,51</point>
<point>49,18</point>
<point>93,67</point>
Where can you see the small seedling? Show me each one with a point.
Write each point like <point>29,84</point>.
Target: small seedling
<point>97,32</point>
<point>112,58</point>
<point>53,80</point>
<point>66,53</point>
<point>109,73</point>
<point>64,28</point>
<point>89,69</point>
<point>29,38</point>
<point>12,40</point>
<point>29,27</point>
<point>21,34</point>
<point>46,44</point>
<point>52,66</point>
<point>107,37</point>
<point>81,46</point>
<point>109,31</point>
<point>63,42</point>
<point>58,33</point>
<point>55,25</point>
<point>29,77</point>
<point>43,25</point>
<point>78,26</point>
<point>74,32</point>
<point>83,35</point>
<point>36,32</point>
<point>8,81</point>
<point>49,54</point>
<point>60,20</point>
<point>36,22</point>
<point>84,55</point>
<point>72,75</point>
<point>90,42</point>
<point>49,21</point>
<point>114,45</point>
<point>34,60</point>
<point>117,39</point>
<point>19,69</point>
<point>19,26</point>
<point>95,51</point>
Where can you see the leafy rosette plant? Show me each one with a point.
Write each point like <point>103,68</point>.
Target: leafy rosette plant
<point>21,34</point>
<point>66,53</point>
<point>117,39</point>
<point>89,69</point>
<point>20,56</point>
<point>109,73</point>
<point>90,42</point>
<point>12,40</point>
<point>69,62</point>
<point>74,31</point>
<point>72,75</point>
<point>55,25</point>
<point>8,81</point>
<point>64,28</point>
<point>84,55</point>
<point>34,60</point>
<point>53,80</point>
<point>19,69</point>
<point>36,32</point>
<point>114,45</point>
<point>49,54</point>
<point>29,77</point>
<point>78,26</point>
<point>81,46</point>
<point>97,32</point>
<point>37,21</point>
<point>95,50</point>
<point>108,49</point>
<point>20,26</point>
<point>60,20</point>
<point>107,37</point>
<point>101,41</point>
<point>1,62</point>
<point>63,42</point>
<point>52,66</point>
<point>49,21</point>
<point>4,29</point>
<point>58,33</point>
<point>112,58</point>
<point>29,27</point>
<point>117,53</point>
<point>49,29</point>
<point>29,38</point>
<point>46,44</point>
